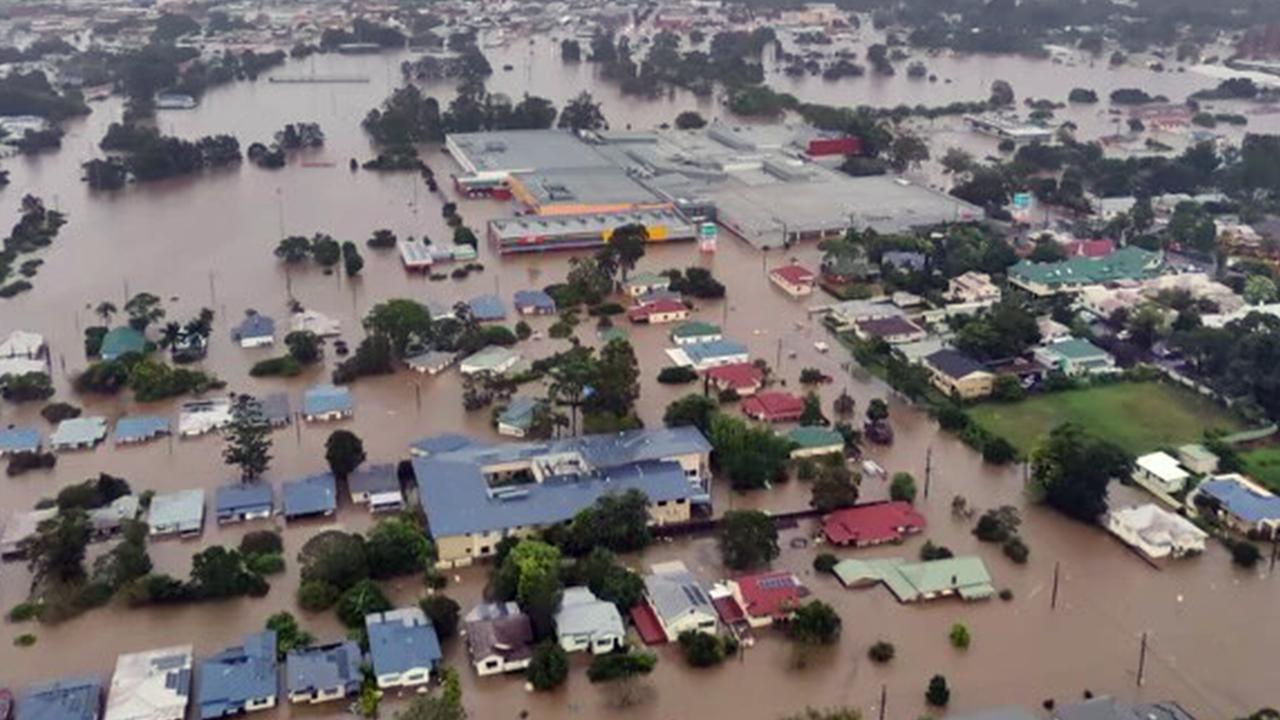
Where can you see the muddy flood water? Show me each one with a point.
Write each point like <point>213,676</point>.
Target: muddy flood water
<point>207,241</point>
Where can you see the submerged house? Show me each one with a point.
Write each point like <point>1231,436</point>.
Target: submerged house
<point>327,402</point>
<point>499,638</point>
<point>403,647</point>
<point>177,513</point>
<point>240,679</point>
<point>585,622</point>
<point>66,699</point>
<point>675,602</point>
<point>964,576</point>
<point>376,487</point>
<point>243,501</point>
<point>151,685</point>
<point>308,497</point>
<point>323,673</point>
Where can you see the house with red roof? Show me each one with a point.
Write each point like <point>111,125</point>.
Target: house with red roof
<point>1096,248</point>
<point>795,280</point>
<point>743,378</point>
<point>772,406</point>
<point>659,311</point>
<point>768,597</point>
<point>872,524</point>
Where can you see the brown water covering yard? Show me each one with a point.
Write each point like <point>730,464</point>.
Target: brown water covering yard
<point>207,240</point>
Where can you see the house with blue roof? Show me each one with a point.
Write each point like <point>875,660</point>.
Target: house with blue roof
<point>1239,502</point>
<point>487,308</point>
<point>442,443</point>
<point>477,494</point>
<point>534,302</point>
<point>254,331</point>
<point>135,429</point>
<point>313,496</point>
<point>243,501</point>
<point>67,699</point>
<point>327,402</point>
<point>19,439</point>
<point>323,673</point>
<point>240,679</point>
<point>403,647</point>
<point>120,341</point>
<point>516,418</point>
<point>376,487</point>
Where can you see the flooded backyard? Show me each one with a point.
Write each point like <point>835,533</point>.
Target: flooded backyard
<point>207,240</point>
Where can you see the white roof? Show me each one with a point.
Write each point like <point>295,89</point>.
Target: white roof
<point>21,343</point>
<point>1163,466</point>
<point>204,416</point>
<point>312,321</point>
<point>21,366</point>
<point>151,685</point>
<point>1157,526</point>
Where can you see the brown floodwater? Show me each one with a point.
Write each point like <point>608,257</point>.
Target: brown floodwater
<point>207,241</point>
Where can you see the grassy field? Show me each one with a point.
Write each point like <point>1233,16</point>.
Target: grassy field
<point>1263,464</point>
<point>1139,417</point>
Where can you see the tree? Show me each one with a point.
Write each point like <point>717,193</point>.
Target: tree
<point>844,405</point>
<point>748,539</point>
<point>532,568</point>
<point>881,652</point>
<point>1071,469</point>
<point>959,636</point>
<point>609,580</point>
<point>695,410</point>
<point>404,323</point>
<point>382,240</point>
<point>360,600</point>
<point>938,694</point>
<point>248,444</point>
<point>812,413</point>
<point>143,309</point>
<point>334,558</point>
<point>549,666</point>
<point>218,572</point>
<point>294,249</point>
<point>957,161</point>
<point>352,262</point>
<point>344,451</point>
<point>446,706</point>
<point>752,456</point>
<point>105,310</point>
<point>443,612</point>
<point>903,487</point>
<point>289,636</point>
<point>620,666</point>
<point>834,488</point>
<point>617,380</point>
<point>907,151</point>
<point>815,623</point>
<point>57,551</point>
<point>396,547</point>
<point>877,410</point>
<point>303,346</point>
<point>998,524</point>
<point>627,246</point>
<point>701,649</point>
<point>1259,289</point>
<point>325,250</point>
<point>582,113</point>
<point>1001,93</point>
<point>616,521</point>
<point>690,120</point>
<point>572,374</point>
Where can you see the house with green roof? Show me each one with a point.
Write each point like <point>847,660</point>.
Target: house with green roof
<point>1075,357</point>
<point>695,332</point>
<point>121,340</point>
<point>964,576</point>
<point>1072,274</point>
<point>810,441</point>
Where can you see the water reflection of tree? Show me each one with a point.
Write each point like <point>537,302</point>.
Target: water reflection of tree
<point>629,692</point>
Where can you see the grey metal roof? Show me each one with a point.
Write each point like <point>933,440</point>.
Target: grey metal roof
<point>401,640</point>
<point>519,412</point>
<point>66,699</point>
<point>1011,712</point>
<point>19,439</point>
<point>182,511</point>
<point>444,442</point>
<point>585,186</point>
<point>241,498</point>
<point>582,613</point>
<point>231,678</point>
<point>487,307</point>
<point>373,479</point>
<point>674,593</point>
<point>457,499</point>
<point>136,428</point>
<point>79,431</point>
<point>254,326</point>
<point>954,364</point>
<point>314,495</point>
<point>515,150</point>
<point>1109,708</point>
<point>275,408</point>
<point>323,667</point>
<point>538,300</point>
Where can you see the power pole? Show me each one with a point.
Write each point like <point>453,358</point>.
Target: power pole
<point>928,469</point>
<point>1142,660</point>
<point>884,698</point>
<point>1053,601</point>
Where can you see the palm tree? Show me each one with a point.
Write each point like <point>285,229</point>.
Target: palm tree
<point>170,335</point>
<point>569,381</point>
<point>105,310</point>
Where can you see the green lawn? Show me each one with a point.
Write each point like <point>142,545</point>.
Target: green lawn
<point>1263,465</point>
<point>1139,417</point>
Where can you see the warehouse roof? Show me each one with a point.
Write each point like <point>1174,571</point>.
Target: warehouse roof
<point>607,185</point>
<point>516,150</point>
<point>513,229</point>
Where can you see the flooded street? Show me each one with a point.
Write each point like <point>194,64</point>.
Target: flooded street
<point>207,240</point>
